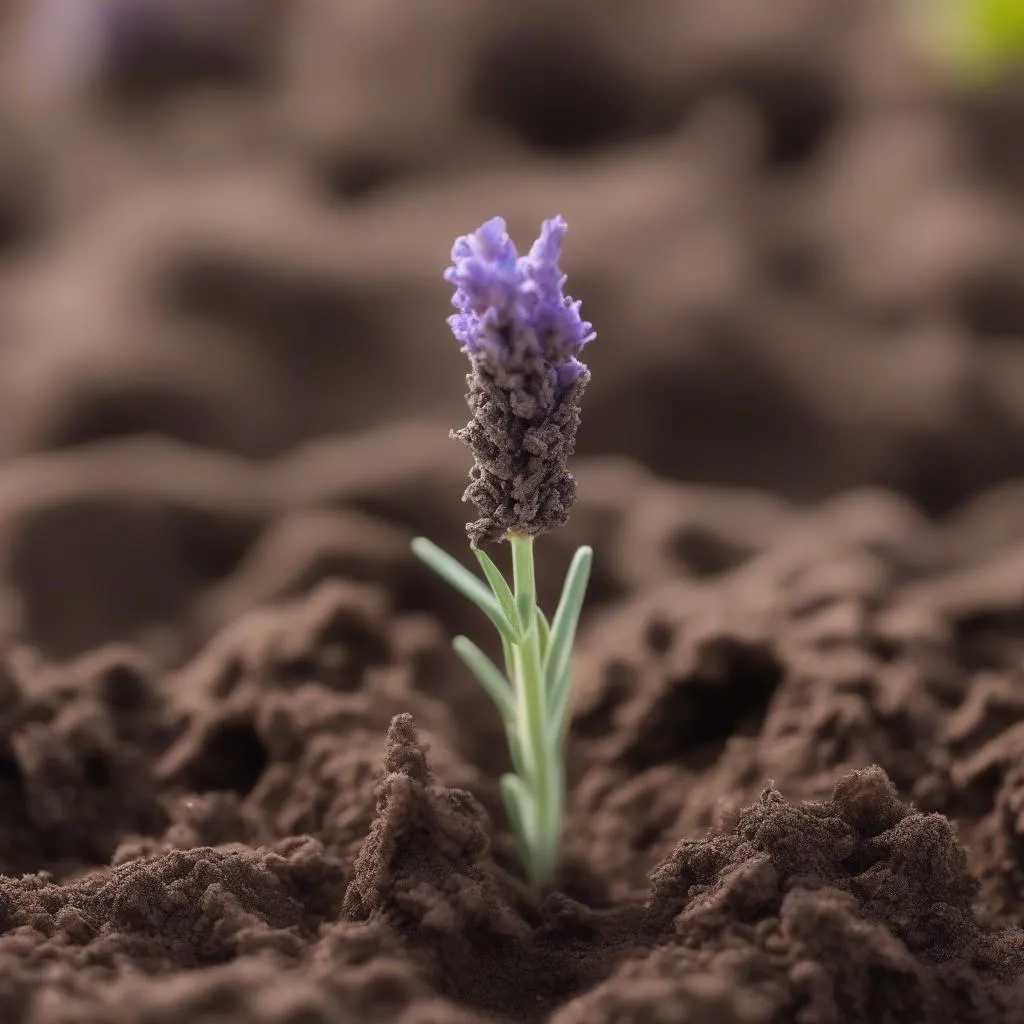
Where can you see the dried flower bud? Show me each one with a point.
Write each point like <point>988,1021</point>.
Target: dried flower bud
<point>523,336</point>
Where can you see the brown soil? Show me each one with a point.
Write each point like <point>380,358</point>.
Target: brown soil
<point>797,788</point>
<point>243,777</point>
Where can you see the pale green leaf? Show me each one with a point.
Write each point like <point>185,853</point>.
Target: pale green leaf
<point>544,628</point>
<point>499,587</point>
<point>559,704</point>
<point>489,675</point>
<point>515,749</point>
<point>557,662</point>
<point>520,812</point>
<point>470,586</point>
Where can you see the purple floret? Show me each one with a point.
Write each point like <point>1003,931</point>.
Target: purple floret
<point>513,313</point>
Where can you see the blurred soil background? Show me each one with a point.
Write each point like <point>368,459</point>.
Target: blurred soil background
<point>802,245</point>
<point>227,382</point>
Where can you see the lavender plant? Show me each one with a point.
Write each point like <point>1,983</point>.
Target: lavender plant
<point>523,337</point>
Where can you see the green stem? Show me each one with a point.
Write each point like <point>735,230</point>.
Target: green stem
<point>538,748</point>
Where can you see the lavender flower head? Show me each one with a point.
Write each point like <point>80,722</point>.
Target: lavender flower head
<point>523,336</point>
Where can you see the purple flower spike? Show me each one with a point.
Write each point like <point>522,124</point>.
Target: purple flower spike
<point>512,310</point>
<point>523,336</point>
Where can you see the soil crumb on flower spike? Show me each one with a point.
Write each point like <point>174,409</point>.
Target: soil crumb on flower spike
<point>523,336</point>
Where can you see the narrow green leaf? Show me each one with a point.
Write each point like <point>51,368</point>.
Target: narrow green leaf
<point>515,749</point>
<point>559,706</point>
<point>489,675</point>
<point>517,806</point>
<point>544,628</point>
<point>510,662</point>
<point>563,628</point>
<point>557,797</point>
<point>499,587</point>
<point>470,586</point>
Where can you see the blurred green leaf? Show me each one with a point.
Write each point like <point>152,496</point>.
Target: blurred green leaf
<point>981,40</point>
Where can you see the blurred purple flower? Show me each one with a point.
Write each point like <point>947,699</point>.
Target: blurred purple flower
<point>136,29</point>
<point>513,313</point>
<point>75,41</point>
